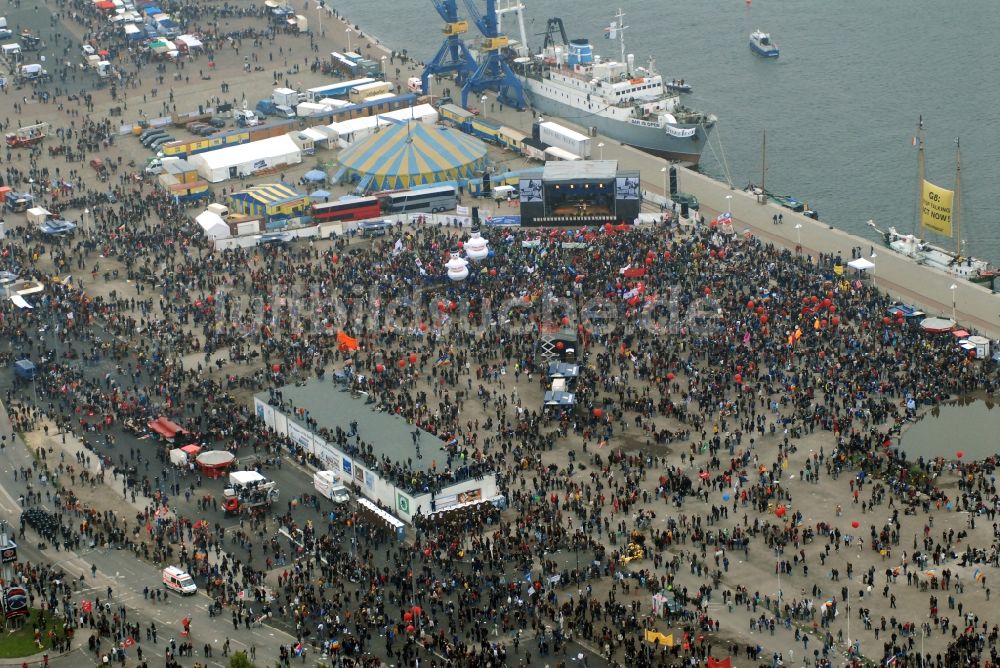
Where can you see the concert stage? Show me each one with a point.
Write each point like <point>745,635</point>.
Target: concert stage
<point>580,193</point>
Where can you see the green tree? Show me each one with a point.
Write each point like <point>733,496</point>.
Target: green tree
<point>241,660</point>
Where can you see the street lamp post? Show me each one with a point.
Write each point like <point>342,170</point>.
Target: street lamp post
<point>729,205</point>
<point>600,147</point>
<point>798,236</point>
<point>348,32</point>
<point>954,298</point>
<point>663,170</point>
<point>482,101</point>
<point>83,217</point>
<point>385,74</point>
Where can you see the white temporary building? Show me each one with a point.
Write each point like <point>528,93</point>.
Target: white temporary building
<point>318,137</point>
<point>212,225</point>
<point>190,41</point>
<point>355,129</point>
<point>246,159</point>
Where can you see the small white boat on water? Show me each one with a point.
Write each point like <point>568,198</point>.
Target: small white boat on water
<point>762,44</point>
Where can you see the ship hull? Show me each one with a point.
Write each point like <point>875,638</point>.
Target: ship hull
<point>653,140</point>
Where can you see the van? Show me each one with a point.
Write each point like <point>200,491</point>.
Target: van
<point>25,369</point>
<point>12,52</point>
<point>178,581</point>
<point>150,138</point>
<point>149,131</point>
<point>377,228</point>
<point>339,493</point>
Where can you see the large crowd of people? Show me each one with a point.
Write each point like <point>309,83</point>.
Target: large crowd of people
<point>737,404</point>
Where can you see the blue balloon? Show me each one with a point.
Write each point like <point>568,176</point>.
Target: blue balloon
<point>725,497</point>
<point>948,505</point>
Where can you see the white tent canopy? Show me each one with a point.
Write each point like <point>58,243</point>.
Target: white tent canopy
<point>191,41</point>
<point>861,264</point>
<point>212,225</point>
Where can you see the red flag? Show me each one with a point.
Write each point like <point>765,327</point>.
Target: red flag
<point>719,663</point>
<point>345,342</point>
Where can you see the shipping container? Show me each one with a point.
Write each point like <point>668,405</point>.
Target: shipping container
<point>562,137</point>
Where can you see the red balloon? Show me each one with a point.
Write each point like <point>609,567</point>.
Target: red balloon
<point>565,321</point>
<point>711,253</point>
<point>452,306</point>
<point>493,272</point>
<point>822,354</point>
<point>423,327</point>
<point>832,308</point>
<point>413,358</point>
<point>427,551</point>
<point>834,321</point>
<point>401,364</point>
<point>407,616</point>
<point>276,368</point>
<point>855,524</point>
<point>750,305</point>
<point>598,412</point>
<point>441,307</point>
<point>670,376</point>
<point>648,260</point>
<point>823,322</point>
<point>461,244</point>
<point>780,511</point>
<point>886,320</point>
<point>666,255</point>
<point>334,259</point>
<point>959,454</point>
<point>416,610</point>
<point>764,318</point>
<point>708,291</point>
<point>560,345</point>
<point>760,310</point>
<point>379,368</point>
<point>410,628</point>
<point>738,378</point>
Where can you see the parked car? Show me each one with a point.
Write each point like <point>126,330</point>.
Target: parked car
<point>686,198</point>
<point>147,142</point>
<point>157,143</point>
<point>98,165</point>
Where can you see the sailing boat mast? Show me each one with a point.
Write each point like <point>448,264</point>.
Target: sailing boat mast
<point>919,139</point>
<point>957,202</point>
<point>763,166</point>
<point>620,20</point>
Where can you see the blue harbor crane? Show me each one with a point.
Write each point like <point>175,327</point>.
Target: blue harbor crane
<point>453,56</point>
<point>493,72</point>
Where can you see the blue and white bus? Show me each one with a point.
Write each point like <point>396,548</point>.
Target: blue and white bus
<point>423,200</point>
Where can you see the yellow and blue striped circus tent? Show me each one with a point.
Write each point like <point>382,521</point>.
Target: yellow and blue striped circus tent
<point>412,154</point>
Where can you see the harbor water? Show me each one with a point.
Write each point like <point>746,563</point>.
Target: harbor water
<point>969,427</point>
<point>840,106</point>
